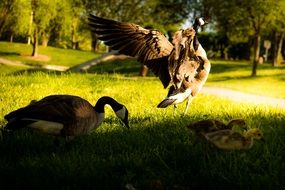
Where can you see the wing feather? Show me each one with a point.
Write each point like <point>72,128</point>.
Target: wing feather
<point>150,47</point>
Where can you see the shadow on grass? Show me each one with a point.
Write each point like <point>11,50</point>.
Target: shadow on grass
<point>151,155</point>
<point>9,54</point>
<point>221,68</point>
<point>125,67</point>
<point>36,70</point>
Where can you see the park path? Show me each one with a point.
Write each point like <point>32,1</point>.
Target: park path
<point>18,63</point>
<point>244,97</point>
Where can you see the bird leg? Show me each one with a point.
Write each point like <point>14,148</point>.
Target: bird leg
<point>187,104</point>
<point>174,110</point>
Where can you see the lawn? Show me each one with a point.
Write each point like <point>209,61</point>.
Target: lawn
<point>47,55</point>
<point>226,74</point>
<point>158,152</point>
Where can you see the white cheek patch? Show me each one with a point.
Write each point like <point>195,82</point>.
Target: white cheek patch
<point>49,127</point>
<point>121,113</point>
<point>201,21</point>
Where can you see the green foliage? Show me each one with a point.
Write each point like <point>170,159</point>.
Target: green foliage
<point>159,14</point>
<point>18,19</point>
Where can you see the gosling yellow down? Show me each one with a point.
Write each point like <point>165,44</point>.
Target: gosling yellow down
<point>230,140</point>
<point>210,125</point>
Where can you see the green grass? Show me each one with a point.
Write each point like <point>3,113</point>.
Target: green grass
<point>227,74</point>
<point>157,152</point>
<point>270,81</point>
<point>57,56</point>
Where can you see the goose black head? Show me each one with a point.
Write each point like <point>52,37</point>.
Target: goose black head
<point>120,110</point>
<point>199,21</point>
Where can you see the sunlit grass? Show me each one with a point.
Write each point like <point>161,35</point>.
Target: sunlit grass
<point>158,149</point>
<point>229,74</point>
<point>270,81</point>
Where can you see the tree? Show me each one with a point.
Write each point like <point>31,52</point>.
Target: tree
<point>244,20</point>
<point>6,7</point>
<point>19,19</point>
<point>44,11</point>
<point>278,29</point>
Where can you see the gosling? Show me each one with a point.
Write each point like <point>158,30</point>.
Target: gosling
<point>230,140</point>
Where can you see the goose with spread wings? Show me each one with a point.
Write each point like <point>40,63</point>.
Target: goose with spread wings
<point>168,61</point>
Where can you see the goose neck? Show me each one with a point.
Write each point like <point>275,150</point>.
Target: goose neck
<point>99,107</point>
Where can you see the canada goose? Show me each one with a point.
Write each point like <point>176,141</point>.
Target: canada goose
<point>194,73</point>
<point>230,140</point>
<point>190,87</point>
<point>152,48</point>
<point>64,115</point>
<point>210,125</point>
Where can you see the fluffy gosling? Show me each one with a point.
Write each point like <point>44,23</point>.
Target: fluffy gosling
<point>230,140</point>
<point>210,125</point>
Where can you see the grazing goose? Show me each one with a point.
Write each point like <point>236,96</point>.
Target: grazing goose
<point>169,61</point>
<point>210,125</point>
<point>230,140</point>
<point>64,115</point>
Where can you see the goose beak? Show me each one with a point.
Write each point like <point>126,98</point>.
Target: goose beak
<point>126,119</point>
<point>126,124</point>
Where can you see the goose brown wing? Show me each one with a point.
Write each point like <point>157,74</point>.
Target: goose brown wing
<point>149,46</point>
<point>56,108</point>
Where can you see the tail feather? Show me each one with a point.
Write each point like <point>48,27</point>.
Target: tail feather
<point>14,124</point>
<point>166,102</point>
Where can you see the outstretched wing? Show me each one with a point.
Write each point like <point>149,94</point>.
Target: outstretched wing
<point>133,40</point>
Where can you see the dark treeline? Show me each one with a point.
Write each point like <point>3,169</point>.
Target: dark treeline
<point>238,29</point>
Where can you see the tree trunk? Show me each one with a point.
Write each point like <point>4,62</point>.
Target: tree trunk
<point>277,48</point>
<point>143,70</point>
<point>256,54</point>
<point>11,38</point>
<point>35,43</point>
<point>30,28</point>
<point>94,42</point>
<point>45,40</point>
<point>223,53</point>
<point>73,37</point>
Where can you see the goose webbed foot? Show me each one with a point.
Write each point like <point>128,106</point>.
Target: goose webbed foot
<point>174,109</point>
